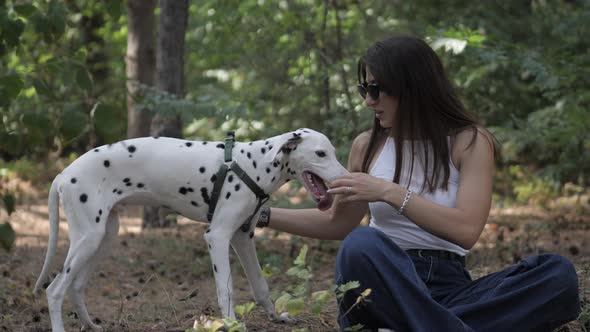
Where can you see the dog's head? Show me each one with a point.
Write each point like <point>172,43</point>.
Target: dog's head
<point>312,158</point>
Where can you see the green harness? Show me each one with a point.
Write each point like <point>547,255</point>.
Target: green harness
<point>222,173</point>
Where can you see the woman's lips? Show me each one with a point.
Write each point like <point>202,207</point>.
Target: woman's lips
<point>379,115</point>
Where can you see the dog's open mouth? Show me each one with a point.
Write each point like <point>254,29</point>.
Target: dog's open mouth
<point>317,188</point>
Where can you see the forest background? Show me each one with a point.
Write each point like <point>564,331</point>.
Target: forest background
<point>262,68</point>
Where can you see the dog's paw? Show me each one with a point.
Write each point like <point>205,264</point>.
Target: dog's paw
<point>283,318</point>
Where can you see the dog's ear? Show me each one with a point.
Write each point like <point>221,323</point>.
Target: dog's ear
<point>287,144</point>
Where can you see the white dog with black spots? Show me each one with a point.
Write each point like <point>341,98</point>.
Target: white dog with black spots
<point>178,175</point>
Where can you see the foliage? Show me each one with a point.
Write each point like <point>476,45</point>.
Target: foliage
<point>265,67</point>
<point>7,235</point>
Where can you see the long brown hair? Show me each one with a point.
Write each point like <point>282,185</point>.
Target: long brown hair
<point>429,109</point>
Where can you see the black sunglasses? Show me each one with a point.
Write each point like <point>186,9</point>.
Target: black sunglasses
<point>372,89</point>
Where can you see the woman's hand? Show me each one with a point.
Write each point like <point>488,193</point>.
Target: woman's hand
<point>360,187</point>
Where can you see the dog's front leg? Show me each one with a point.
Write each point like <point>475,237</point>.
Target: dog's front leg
<point>218,239</point>
<point>244,246</point>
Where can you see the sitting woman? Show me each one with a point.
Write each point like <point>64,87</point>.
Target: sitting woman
<point>425,173</point>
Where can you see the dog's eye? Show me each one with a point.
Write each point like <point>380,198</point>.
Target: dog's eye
<point>320,154</point>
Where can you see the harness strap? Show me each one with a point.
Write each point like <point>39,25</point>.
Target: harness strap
<point>222,173</point>
<point>217,190</point>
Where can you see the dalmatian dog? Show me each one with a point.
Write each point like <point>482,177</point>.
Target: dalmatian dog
<point>178,175</point>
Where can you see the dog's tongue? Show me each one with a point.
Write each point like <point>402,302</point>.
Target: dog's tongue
<point>318,190</point>
<point>325,202</point>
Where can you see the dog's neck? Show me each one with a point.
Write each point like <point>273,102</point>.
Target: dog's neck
<point>268,174</point>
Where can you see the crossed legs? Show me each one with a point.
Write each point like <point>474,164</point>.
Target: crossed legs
<point>408,289</point>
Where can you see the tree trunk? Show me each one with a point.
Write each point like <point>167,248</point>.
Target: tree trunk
<point>140,62</point>
<point>169,78</point>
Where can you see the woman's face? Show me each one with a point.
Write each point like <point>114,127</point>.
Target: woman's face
<point>385,106</point>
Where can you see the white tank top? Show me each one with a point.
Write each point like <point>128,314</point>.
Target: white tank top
<point>400,229</point>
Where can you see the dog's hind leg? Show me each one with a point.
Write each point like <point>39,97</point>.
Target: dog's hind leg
<point>78,287</point>
<point>82,248</point>
<point>245,248</point>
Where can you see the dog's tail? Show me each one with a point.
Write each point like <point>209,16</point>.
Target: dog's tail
<point>53,233</point>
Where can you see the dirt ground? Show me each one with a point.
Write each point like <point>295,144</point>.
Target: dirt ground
<point>161,280</point>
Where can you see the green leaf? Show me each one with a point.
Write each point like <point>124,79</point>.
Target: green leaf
<point>300,260</point>
<point>9,203</point>
<point>282,301</point>
<point>12,31</point>
<point>342,289</point>
<point>56,16</point>
<point>73,122</point>
<point>83,78</point>
<point>296,305</point>
<point>11,143</point>
<point>108,121</point>
<point>7,236</point>
<point>41,87</point>
<point>114,9</point>
<point>25,10</point>
<point>10,87</point>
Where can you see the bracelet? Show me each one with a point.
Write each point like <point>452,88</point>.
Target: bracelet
<point>264,217</point>
<point>405,202</point>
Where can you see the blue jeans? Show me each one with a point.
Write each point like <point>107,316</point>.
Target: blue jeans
<point>410,293</point>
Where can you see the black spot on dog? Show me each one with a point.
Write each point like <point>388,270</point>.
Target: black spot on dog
<point>248,155</point>
<point>221,146</point>
<point>106,163</point>
<point>266,143</point>
<point>115,190</point>
<point>73,180</point>
<point>250,143</point>
<point>155,137</point>
<point>202,169</point>
<point>242,151</point>
<point>287,180</point>
<point>119,192</point>
<point>287,164</point>
<point>215,267</point>
<point>237,187</point>
<point>254,164</point>
<point>129,184</point>
<point>209,246</point>
<point>182,190</point>
<point>193,203</point>
<point>205,195</point>
<point>68,270</point>
<point>227,195</point>
<point>97,219</point>
<point>100,212</point>
<point>270,148</point>
<point>214,178</point>
<point>289,170</point>
<point>126,180</point>
<point>251,234</point>
<point>273,179</point>
<point>230,178</point>
<point>190,190</point>
<point>263,150</point>
<point>83,198</point>
<point>96,150</point>
<point>140,185</point>
<point>205,143</point>
<point>258,178</point>
<point>208,230</point>
<point>267,170</point>
<point>131,149</point>
<point>189,144</point>
<point>275,164</point>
